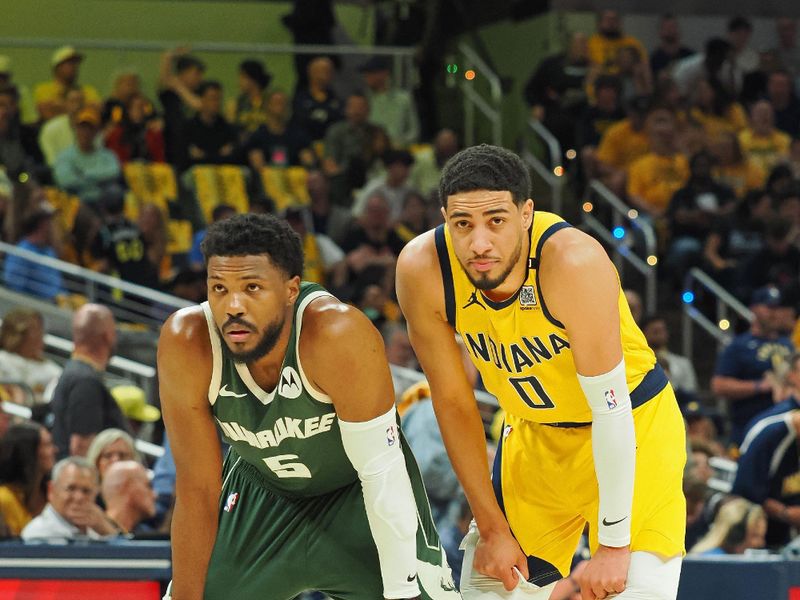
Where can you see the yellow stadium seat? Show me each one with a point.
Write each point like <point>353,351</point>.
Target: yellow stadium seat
<point>152,183</point>
<point>215,185</point>
<point>179,236</point>
<point>286,186</point>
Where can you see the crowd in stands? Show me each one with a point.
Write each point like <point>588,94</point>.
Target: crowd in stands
<point>704,143</point>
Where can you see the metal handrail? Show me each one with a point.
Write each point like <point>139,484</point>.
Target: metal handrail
<point>724,302</point>
<point>554,175</point>
<point>621,213</point>
<point>474,100</point>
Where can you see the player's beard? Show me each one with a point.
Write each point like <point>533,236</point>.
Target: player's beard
<point>269,337</point>
<point>483,282</point>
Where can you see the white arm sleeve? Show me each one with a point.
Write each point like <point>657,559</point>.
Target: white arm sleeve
<point>374,449</point>
<point>614,450</point>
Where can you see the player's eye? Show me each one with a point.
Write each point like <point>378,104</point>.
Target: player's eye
<point>253,287</point>
<point>462,224</point>
<point>218,288</point>
<point>498,221</point>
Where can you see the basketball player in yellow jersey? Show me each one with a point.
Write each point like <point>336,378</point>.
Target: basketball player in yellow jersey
<point>592,432</point>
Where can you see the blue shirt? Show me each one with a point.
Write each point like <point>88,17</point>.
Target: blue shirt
<point>768,468</point>
<point>86,174</point>
<point>196,254</point>
<point>791,403</point>
<point>27,277</point>
<point>749,357</point>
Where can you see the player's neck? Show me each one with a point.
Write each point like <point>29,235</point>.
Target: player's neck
<point>266,370</point>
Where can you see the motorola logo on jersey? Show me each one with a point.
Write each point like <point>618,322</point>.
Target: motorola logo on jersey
<point>289,384</point>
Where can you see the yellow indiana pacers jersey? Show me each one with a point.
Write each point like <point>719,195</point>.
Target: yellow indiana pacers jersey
<point>522,352</point>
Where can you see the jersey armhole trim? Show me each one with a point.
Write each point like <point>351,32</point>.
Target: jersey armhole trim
<point>216,355</point>
<point>314,393</point>
<point>554,228</point>
<point>447,275</point>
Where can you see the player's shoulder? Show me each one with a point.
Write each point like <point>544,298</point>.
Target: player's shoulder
<point>187,330</point>
<point>570,249</point>
<point>329,320</point>
<point>419,253</point>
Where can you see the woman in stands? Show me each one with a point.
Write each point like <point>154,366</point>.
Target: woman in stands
<point>110,446</point>
<point>27,455</point>
<point>739,525</point>
<point>22,353</point>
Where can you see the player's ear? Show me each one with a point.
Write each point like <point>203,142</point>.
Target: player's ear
<point>527,213</point>
<point>292,289</point>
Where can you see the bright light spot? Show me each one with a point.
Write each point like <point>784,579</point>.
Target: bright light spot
<point>587,207</point>
<point>452,69</point>
<point>652,260</point>
<point>469,75</point>
<point>688,297</point>
<point>633,213</point>
<point>23,177</point>
<point>559,171</point>
<point>571,154</point>
<point>724,324</point>
<point>618,232</point>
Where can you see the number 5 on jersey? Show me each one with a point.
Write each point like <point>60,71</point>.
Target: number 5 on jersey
<point>283,469</point>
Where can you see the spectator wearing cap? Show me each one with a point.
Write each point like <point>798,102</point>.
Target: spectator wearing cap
<point>210,138</point>
<point>315,107</point>
<point>393,185</point>
<point>781,94</point>
<point>133,404</point>
<point>82,404</point>
<point>278,141</point>
<point>26,276</point>
<point>669,49</point>
<point>766,145</point>
<point>621,145</point>
<point>84,169</point>
<point>248,111</point>
<point>692,212</point>
<point>743,372</point>
<point>390,108</point>
<point>680,369</point>
<point>740,30</point>
<point>179,77</point>
<point>58,133</point>
<point>119,246</point>
<point>51,95</point>
<point>769,474</point>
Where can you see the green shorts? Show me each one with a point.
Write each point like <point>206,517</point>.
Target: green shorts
<point>273,547</point>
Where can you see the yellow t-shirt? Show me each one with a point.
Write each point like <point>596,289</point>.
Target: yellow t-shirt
<point>655,178</point>
<point>603,51</point>
<point>621,145</point>
<point>53,90</point>
<point>741,178</point>
<point>521,351</point>
<point>765,151</point>
<point>12,507</point>
<point>733,121</point>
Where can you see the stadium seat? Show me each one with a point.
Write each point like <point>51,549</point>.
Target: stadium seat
<point>218,184</point>
<point>287,186</point>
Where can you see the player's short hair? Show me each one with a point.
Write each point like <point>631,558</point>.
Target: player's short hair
<point>255,235</point>
<point>485,167</point>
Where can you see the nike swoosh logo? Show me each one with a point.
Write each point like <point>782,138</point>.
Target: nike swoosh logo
<point>411,578</point>
<point>610,523</point>
<point>224,391</point>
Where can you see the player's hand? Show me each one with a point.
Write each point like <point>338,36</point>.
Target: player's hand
<point>606,573</point>
<point>496,556</point>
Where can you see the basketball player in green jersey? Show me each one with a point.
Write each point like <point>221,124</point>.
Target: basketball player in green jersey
<point>318,490</point>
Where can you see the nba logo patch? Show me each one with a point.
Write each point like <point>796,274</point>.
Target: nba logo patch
<point>611,399</point>
<point>231,501</point>
<point>527,297</point>
<point>391,435</point>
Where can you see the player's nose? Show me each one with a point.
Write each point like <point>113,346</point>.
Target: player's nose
<point>480,243</point>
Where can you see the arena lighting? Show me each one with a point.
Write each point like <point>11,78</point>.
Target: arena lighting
<point>652,260</point>
<point>633,213</point>
<point>452,69</point>
<point>469,75</point>
<point>587,207</point>
<point>618,232</point>
<point>687,297</point>
<point>23,177</point>
<point>558,171</point>
<point>571,154</point>
<point>724,324</point>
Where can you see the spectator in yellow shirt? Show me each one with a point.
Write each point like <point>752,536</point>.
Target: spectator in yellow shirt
<point>621,145</point>
<point>734,168</point>
<point>50,95</point>
<point>762,141</point>
<point>715,109</point>
<point>604,45</point>
<point>654,178</point>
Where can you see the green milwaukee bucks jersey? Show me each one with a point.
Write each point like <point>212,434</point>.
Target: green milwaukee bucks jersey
<point>290,434</point>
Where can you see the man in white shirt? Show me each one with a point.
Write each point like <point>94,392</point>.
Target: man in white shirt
<point>390,108</point>
<point>71,511</point>
<point>58,134</point>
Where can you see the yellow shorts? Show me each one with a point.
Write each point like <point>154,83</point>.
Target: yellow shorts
<point>548,488</point>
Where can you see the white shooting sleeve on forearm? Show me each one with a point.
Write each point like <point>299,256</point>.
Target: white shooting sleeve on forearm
<point>374,449</point>
<point>614,450</point>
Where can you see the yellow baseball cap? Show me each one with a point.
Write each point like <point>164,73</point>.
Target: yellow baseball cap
<point>63,54</point>
<point>133,404</point>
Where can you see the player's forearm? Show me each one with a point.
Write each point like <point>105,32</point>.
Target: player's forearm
<point>736,389</point>
<point>194,529</point>
<point>465,441</point>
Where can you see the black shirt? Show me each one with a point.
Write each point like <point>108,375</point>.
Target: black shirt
<point>788,119</point>
<point>83,405</point>
<point>358,237</point>
<point>280,149</point>
<point>594,123</point>
<point>211,138</point>
<point>660,59</point>
<point>709,199</point>
<point>313,116</point>
<point>174,129</point>
<point>122,244</point>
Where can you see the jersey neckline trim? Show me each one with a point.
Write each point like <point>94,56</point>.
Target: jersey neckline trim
<point>216,354</point>
<point>317,395</point>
